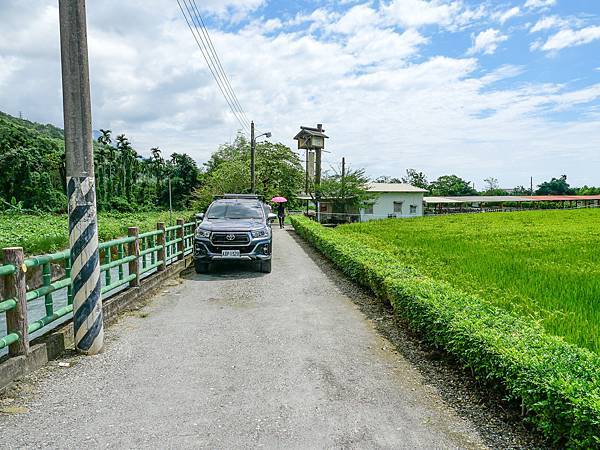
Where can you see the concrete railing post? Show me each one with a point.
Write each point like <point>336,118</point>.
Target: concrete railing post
<point>15,286</point>
<point>161,240</point>
<point>133,248</point>
<point>180,234</point>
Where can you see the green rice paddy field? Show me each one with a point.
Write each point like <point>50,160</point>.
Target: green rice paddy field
<point>539,264</point>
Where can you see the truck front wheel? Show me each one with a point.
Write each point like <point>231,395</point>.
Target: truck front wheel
<point>201,267</point>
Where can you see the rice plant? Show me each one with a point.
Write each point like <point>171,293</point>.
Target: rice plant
<point>543,265</point>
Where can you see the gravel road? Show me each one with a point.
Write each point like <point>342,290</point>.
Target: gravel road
<point>237,359</point>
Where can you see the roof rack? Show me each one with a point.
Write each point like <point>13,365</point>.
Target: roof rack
<point>239,196</point>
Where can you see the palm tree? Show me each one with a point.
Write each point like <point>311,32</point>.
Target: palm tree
<point>104,138</point>
<point>159,163</point>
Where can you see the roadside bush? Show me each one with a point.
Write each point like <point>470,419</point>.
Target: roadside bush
<point>557,384</point>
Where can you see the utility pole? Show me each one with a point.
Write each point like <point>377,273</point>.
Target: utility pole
<point>252,159</point>
<point>318,182</point>
<point>306,180</point>
<point>531,186</point>
<point>344,184</point>
<point>81,193</point>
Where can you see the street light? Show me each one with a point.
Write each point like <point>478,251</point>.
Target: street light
<point>252,155</point>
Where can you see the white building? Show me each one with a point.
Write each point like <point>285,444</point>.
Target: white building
<point>393,200</point>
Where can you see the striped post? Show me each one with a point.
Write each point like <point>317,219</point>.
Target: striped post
<point>85,266</point>
<point>83,229</point>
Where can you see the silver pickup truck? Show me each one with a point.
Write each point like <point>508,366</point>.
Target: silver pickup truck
<point>235,227</point>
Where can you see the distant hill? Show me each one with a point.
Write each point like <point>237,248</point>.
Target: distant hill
<point>46,130</point>
<point>31,164</point>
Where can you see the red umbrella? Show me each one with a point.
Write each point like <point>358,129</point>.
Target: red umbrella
<point>279,199</point>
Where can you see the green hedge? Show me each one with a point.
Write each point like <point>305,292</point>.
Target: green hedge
<point>556,383</point>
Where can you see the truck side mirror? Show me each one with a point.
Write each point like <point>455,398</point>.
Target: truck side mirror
<point>200,216</point>
<point>271,217</point>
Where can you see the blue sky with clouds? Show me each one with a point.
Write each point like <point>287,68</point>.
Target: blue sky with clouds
<point>509,89</point>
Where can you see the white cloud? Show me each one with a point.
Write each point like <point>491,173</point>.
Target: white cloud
<point>569,38</point>
<point>502,17</point>
<point>418,13</point>
<point>487,42</point>
<point>357,18</point>
<point>437,113</point>
<point>547,23</point>
<point>536,4</point>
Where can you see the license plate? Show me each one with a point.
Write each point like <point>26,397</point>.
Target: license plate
<point>231,253</point>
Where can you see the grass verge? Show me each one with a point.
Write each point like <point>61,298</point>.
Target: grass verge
<point>47,233</point>
<point>556,384</point>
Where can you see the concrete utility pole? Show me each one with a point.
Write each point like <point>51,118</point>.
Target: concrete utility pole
<point>252,159</point>
<point>318,183</point>
<point>343,184</point>
<point>531,186</point>
<point>83,229</point>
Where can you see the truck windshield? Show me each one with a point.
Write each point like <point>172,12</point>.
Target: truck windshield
<point>235,211</point>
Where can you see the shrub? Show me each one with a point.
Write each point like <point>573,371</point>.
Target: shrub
<point>556,383</point>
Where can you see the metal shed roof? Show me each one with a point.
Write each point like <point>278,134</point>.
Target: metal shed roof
<point>508,198</point>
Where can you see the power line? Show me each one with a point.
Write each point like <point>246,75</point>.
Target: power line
<point>216,78</point>
<point>218,60</point>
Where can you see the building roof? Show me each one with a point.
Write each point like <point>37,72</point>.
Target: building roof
<point>310,131</point>
<point>394,187</point>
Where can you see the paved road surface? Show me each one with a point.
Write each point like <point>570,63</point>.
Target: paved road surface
<point>237,359</point>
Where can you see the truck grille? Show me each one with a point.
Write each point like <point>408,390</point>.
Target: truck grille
<point>228,239</point>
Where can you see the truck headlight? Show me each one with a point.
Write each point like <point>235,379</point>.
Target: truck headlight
<point>262,232</point>
<point>200,233</point>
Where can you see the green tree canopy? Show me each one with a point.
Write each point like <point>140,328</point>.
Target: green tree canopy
<point>451,185</point>
<point>492,187</point>
<point>348,192</point>
<point>415,178</point>
<point>556,186</point>
<point>278,171</point>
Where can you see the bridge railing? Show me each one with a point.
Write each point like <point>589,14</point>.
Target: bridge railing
<point>125,263</point>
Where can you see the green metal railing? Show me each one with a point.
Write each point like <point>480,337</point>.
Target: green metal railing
<point>155,250</point>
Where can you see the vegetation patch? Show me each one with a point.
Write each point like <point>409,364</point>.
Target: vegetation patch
<point>47,233</point>
<point>557,384</point>
<point>539,264</point>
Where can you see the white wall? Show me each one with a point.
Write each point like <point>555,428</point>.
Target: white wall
<point>384,205</point>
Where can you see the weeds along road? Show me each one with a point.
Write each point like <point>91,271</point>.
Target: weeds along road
<point>238,359</point>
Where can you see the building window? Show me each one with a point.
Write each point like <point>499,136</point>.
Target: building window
<point>398,207</point>
<point>368,208</point>
<point>413,209</point>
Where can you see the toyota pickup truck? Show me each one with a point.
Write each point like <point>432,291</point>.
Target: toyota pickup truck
<point>234,227</point>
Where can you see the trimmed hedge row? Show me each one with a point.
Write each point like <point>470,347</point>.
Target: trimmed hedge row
<point>556,383</point>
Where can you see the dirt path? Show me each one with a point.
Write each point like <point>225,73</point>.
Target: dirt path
<point>238,359</point>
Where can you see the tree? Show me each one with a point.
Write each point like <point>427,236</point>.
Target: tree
<point>158,164</point>
<point>520,190</point>
<point>556,186</point>
<point>229,176</point>
<point>493,187</point>
<point>588,190</point>
<point>451,185</point>
<point>387,179</point>
<point>278,171</point>
<point>347,193</point>
<point>414,178</point>
<point>184,175</point>
<point>104,137</point>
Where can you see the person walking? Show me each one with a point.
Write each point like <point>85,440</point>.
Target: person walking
<point>281,214</point>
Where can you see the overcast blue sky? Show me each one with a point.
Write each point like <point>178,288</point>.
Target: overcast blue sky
<point>509,89</point>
